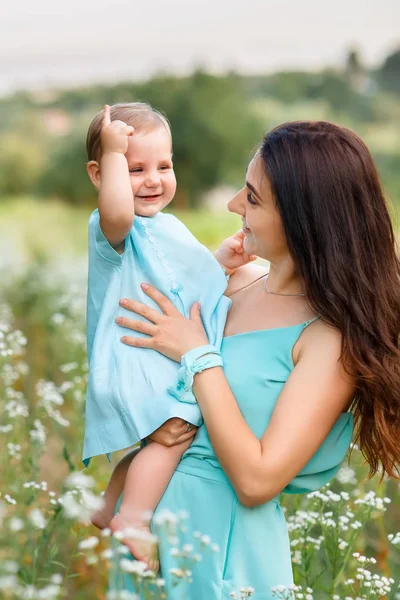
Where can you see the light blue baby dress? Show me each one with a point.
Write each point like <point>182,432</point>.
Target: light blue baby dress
<point>127,397</point>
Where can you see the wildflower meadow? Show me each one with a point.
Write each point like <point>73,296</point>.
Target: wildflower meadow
<point>345,538</point>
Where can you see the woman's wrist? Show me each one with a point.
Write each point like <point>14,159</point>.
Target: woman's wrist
<point>195,353</point>
<point>193,362</point>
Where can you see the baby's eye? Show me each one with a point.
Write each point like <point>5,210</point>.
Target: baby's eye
<point>250,199</point>
<point>165,167</point>
<point>135,170</point>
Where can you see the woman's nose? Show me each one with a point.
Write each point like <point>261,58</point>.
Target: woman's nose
<point>235,205</point>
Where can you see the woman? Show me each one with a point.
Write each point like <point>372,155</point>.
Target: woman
<point>304,344</point>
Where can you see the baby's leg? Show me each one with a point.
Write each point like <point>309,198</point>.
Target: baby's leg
<point>101,518</point>
<point>146,481</point>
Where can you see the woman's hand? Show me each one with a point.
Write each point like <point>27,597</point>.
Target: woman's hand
<point>169,332</point>
<point>174,431</point>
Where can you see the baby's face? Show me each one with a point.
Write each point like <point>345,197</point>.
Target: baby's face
<point>151,171</point>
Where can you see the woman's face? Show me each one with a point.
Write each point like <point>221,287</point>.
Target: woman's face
<point>262,223</point>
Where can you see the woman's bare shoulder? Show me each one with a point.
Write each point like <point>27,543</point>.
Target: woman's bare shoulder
<point>318,353</point>
<point>244,276</point>
<point>319,337</point>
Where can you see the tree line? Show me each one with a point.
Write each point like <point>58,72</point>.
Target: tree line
<point>216,123</point>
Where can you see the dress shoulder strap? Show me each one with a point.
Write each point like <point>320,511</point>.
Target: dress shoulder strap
<point>307,323</point>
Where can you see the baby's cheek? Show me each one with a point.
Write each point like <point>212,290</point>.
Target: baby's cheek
<point>170,180</point>
<point>135,185</point>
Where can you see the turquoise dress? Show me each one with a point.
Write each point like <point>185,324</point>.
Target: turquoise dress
<point>127,394</point>
<point>253,543</point>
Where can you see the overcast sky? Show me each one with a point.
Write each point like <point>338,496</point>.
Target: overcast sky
<point>45,43</point>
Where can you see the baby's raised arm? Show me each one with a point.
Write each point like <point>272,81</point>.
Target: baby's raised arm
<point>116,201</point>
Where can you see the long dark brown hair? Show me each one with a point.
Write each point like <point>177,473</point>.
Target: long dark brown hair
<point>340,236</point>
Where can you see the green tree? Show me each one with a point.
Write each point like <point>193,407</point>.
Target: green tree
<point>389,74</point>
<point>213,128</point>
<point>287,86</point>
<point>65,173</point>
<point>21,162</point>
<point>354,64</point>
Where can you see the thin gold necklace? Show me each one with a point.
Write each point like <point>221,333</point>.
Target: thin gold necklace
<point>277,293</point>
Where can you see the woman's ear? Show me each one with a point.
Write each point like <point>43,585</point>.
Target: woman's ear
<point>93,171</point>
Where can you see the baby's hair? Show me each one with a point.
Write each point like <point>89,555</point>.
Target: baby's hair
<point>139,115</point>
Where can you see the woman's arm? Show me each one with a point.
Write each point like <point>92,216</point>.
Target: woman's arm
<point>317,391</point>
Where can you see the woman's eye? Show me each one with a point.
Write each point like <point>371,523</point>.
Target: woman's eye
<point>250,199</point>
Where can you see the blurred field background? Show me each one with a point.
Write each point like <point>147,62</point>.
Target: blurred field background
<point>45,201</point>
<point>217,122</point>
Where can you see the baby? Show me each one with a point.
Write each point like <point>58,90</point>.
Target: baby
<point>131,391</point>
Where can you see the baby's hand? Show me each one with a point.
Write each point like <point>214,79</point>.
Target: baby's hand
<point>231,254</point>
<point>114,134</point>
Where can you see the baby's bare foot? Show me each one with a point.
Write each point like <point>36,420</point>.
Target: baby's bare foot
<point>138,538</point>
<point>102,517</point>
